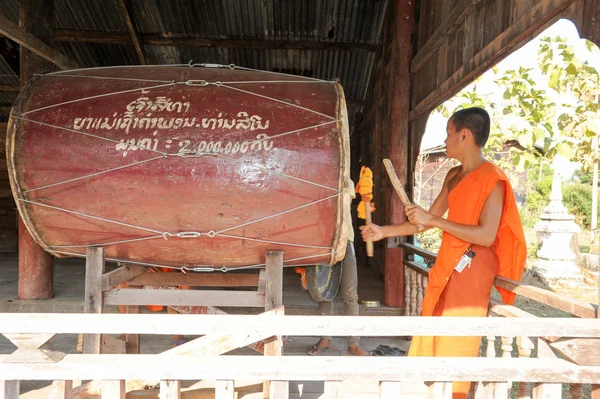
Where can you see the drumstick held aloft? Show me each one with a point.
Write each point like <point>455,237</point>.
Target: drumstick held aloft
<point>398,186</point>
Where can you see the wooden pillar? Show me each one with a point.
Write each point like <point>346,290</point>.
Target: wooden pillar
<point>273,299</point>
<point>92,302</point>
<point>36,268</point>
<point>398,143</point>
<point>9,389</point>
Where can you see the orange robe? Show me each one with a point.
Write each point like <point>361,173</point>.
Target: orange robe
<point>450,293</point>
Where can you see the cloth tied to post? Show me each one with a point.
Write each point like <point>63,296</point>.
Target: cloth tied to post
<point>364,187</point>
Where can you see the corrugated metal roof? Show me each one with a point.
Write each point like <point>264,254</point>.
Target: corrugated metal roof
<point>325,21</point>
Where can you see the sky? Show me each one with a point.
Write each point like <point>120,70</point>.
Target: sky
<point>526,56</point>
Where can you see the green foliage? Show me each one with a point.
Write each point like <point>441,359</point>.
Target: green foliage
<point>584,177</point>
<point>578,200</point>
<point>430,240</point>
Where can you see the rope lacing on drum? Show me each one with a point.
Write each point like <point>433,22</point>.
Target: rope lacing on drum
<point>163,155</point>
<point>185,234</point>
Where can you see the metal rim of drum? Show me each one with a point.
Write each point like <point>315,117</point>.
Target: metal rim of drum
<point>324,281</point>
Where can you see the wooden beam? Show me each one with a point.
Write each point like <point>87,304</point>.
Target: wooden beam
<point>117,276</point>
<point>94,268</point>
<point>197,279</point>
<point>454,19</point>
<point>174,39</point>
<point>302,368</point>
<point>132,296</point>
<point>573,306</point>
<point>33,44</point>
<point>508,41</point>
<point>126,11</point>
<point>5,109</point>
<point>376,326</point>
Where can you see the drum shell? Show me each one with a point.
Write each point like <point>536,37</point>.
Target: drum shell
<point>112,157</point>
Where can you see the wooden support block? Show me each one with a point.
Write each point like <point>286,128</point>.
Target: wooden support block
<point>61,389</point>
<point>170,389</point>
<point>389,389</point>
<point>333,390</point>
<point>196,279</point>
<point>120,275</point>
<point>132,341</point>
<point>9,389</point>
<point>94,268</point>
<point>440,390</point>
<point>113,389</point>
<point>274,280</point>
<point>224,389</point>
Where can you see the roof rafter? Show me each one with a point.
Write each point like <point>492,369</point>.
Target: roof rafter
<point>125,6</point>
<point>11,30</point>
<point>173,39</point>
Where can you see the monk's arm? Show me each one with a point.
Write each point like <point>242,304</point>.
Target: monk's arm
<point>483,233</point>
<point>439,207</point>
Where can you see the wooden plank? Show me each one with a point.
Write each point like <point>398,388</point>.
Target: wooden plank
<point>123,273</point>
<point>184,40</point>
<point>126,11</point>
<point>575,307</point>
<point>502,309</point>
<point>94,268</point>
<point>33,44</point>
<point>211,344</point>
<point>585,352</point>
<point>9,389</point>
<point>515,36</point>
<point>113,389</point>
<point>197,279</point>
<point>377,326</point>
<point>333,390</point>
<point>308,368</point>
<point>131,296</point>
<point>454,19</point>
<point>170,389</point>
<point>224,389</point>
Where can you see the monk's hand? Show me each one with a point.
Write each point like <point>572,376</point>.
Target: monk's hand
<point>418,216</point>
<point>371,232</point>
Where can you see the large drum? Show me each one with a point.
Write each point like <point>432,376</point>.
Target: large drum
<point>202,166</point>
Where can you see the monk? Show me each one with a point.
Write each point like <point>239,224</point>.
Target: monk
<point>482,224</point>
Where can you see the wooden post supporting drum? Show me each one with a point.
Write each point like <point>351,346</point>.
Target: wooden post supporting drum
<point>273,299</point>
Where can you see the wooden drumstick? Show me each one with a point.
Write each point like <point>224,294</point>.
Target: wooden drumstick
<point>368,221</point>
<point>398,186</point>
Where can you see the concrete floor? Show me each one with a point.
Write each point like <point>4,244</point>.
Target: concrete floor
<point>69,291</point>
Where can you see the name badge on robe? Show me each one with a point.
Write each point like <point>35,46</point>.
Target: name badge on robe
<point>465,260</point>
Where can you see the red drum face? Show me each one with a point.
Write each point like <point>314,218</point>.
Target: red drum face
<point>182,166</point>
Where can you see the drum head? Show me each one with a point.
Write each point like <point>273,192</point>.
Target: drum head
<point>324,281</point>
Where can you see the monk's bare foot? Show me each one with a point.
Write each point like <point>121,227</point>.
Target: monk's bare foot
<point>356,350</point>
<point>323,345</point>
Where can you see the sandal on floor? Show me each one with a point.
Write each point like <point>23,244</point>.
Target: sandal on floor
<point>316,350</point>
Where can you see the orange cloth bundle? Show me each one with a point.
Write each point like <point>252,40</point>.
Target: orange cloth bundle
<point>364,187</point>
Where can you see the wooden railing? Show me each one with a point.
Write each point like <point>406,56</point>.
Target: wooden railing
<point>548,346</point>
<point>119,373</point>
